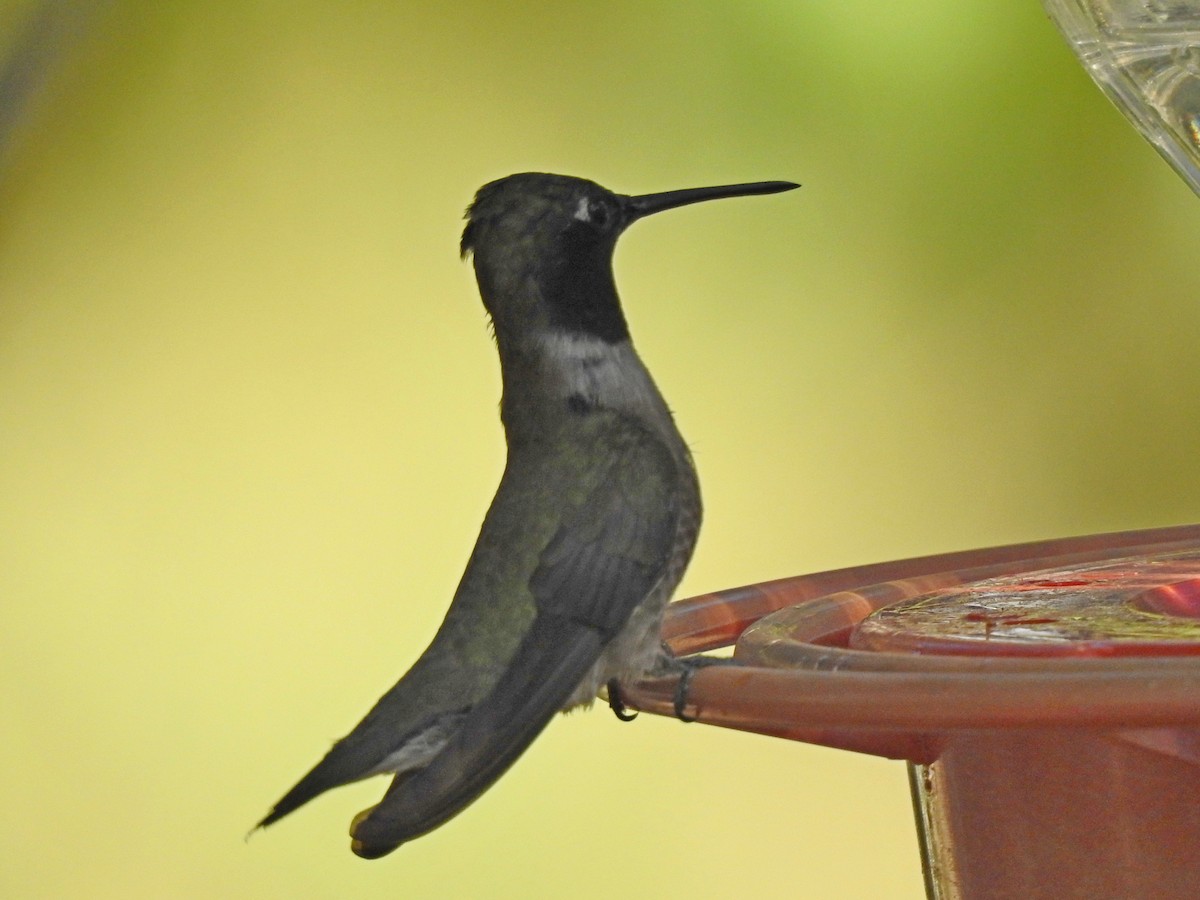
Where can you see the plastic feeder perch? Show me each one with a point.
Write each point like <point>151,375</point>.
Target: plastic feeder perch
<point>1046,696</point>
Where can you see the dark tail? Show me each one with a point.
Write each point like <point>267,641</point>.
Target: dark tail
<point>547,668</point>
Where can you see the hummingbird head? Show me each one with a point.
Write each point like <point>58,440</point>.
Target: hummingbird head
<point>543,247</point>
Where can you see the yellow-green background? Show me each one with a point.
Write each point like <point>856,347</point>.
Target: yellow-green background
<point>248,402</point>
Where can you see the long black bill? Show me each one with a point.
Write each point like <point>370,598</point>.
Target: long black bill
<point>648,204</point>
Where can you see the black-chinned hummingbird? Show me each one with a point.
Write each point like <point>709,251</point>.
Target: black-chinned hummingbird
<point>590,531</point>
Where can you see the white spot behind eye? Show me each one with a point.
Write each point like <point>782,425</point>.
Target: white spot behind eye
<point>581,211</point>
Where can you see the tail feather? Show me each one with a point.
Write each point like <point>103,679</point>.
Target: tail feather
<point>548,666</point>
<point>316,782</point>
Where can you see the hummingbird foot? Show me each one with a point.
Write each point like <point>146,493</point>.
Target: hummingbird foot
<point>687,667</point>
<point>616,704</point>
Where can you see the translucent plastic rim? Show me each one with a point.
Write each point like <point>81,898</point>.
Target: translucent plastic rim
<point>794,681</point>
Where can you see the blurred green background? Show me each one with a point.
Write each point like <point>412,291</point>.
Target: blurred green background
<point>248,401</point>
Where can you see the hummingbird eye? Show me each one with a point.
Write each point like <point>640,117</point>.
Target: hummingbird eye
<point>596,213</point>
<point>600,215</point>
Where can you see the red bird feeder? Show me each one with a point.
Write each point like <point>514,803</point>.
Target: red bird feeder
<point>1046,697</point>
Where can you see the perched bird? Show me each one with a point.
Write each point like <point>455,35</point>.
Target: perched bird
<point>589,533</point>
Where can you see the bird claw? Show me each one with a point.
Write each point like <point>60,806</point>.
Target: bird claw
<point>616,704</point>
<point>668,664</point>
<point>681,693</point>
<point>687,667</point>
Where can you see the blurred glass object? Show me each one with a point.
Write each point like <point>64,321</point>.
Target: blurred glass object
<point>1145,54</point>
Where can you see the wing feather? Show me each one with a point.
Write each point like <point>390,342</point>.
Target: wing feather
<point>603,560</point>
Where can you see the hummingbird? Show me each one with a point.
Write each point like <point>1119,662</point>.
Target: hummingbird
<point>590,531</point>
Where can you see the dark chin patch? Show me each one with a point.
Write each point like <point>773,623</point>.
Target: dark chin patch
<point>578,287</point>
